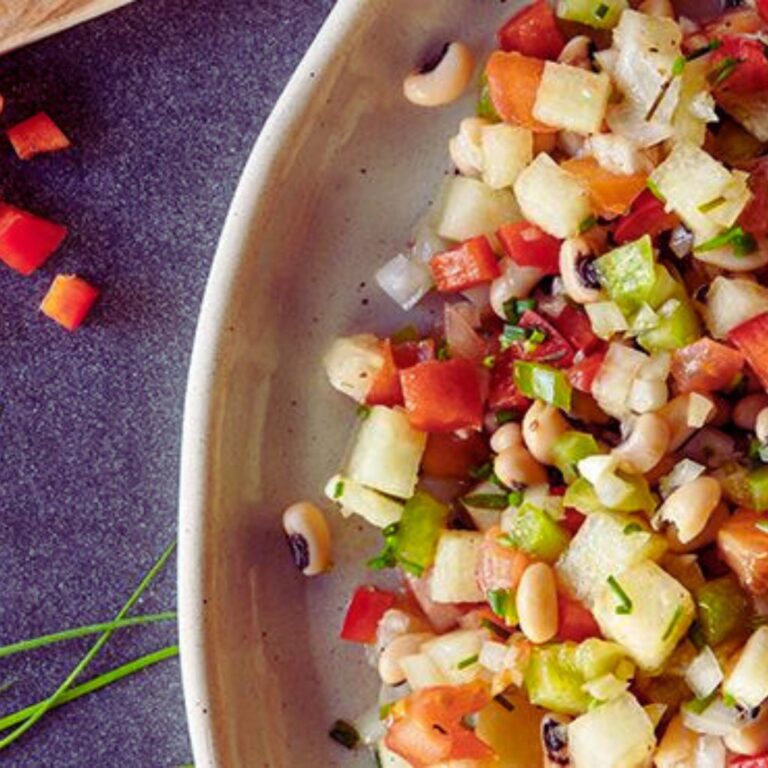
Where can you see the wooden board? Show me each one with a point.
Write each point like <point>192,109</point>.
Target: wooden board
<point>24,21</point>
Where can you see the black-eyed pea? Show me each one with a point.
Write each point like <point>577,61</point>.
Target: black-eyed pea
<point>677,748</point>
<point>309,537</point>
<point>554,740</point>
<point>506,436</point>
<point>752,739</point>
<point>443,81</point>
<point>746,411</point>
<point>646,445</point>
<point>536,603</point>
<point>543,424</point>
<point>579,278</point>
<point>516,466</point>
<point>690,507</point>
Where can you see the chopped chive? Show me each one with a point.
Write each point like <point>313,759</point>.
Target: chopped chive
<point>338,489</point>
<point>632,528</point>
<point>442,351</point>
<point>487,501</point>
<point>470,661</point>
<point>505,416</point>
<point>696,636</point>
<point>742,242</point>
<point>712,204</point>
<point>94,684</point>
<point>523,305</point>
<point>482,472</point>
<point>653,187</point>
<point>723,71</point>
<point>364,411</point>
<point>492,626</point>
<point>676,616</point>
<point>345,734</point>
<point>385,710</point>
<point>538,335</point>
<point>511,334</point>
<point>657,101</point>
<point>515,498</point>
<point>45,705</point>
<point>90,629</point>
<point>678,66</point>
<point>762,525</point>
<point>704,50</point>
<point>729,700</point>
<point>602,11</point>
<point>589,223</point>
<point>625,604</point>
<point>489,361</point>
<point>509,308</point>
<point>697,706</point>
<point>498,599</point>
<point>504,702</point>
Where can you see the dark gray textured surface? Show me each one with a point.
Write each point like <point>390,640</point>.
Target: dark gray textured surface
<point>163,101</point>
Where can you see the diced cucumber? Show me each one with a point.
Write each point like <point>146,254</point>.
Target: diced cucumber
<point>572,99</point>
<point>602,14</point>
<point>645,610</point>
<point>419,532</point>
<point>387,453</point>
<point>422,672</point>
<point>731,302</point>
<point>470,208</point>
<point>453,575</point>
<point>724,610</point>
<point>748,681</point>
<point>507,150</point>
<point>617,733</point>
<point>356,499</point>
<point>456,653</point>
<point>607,543</point>
<point>552,198</point>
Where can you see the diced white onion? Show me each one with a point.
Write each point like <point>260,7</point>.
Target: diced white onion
<point>606,318</point>
<point>656,368</point>
<point>426,242</point>
<point>614,379</point>
<point>704,674</point>
<point>370,727</point>
<point>493,655</point>
<point>606,687</point>
<point>699,410</point>
<point>392,624</point>
<point>647,396</point>
<point>617,154</point>
<point>594,468</point>
<point>715,720</point>
<point>683,472</point>
<point>710,753</point>
<point>404,280</point>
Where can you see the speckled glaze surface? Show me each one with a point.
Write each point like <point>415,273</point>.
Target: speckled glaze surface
<point>342,172</point>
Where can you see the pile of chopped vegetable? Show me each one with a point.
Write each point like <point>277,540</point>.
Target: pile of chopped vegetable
<point>570,470</point>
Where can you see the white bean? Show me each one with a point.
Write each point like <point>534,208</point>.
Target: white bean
<point>761,426</point>
<point>752,739</point>
<point>516,466</point>
<point>646,445</point>
<point>690,507</point>
<point>445,82</point>
<point>309,537</point>
<point>543,424</point>
<point>390,671</point>
<point>537,603</point>
<point>745,412</point>
<point>675,413</point>
<point>506,436</point>
<point>678,746</point>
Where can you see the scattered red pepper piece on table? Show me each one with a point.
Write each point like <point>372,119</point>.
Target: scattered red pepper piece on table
<point>26,240</point>
<point>37,135</point>
<point>68,301</point>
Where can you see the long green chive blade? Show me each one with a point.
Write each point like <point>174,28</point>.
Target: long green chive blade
<point>42,707</point>
<point>470,661</point>
<point>625,604</point>
<point>89,629</point>
<point>487,500</point>
<point>676,616</point>
<point>345,734</point>
<point>95,684</point>
<point>704,50</point>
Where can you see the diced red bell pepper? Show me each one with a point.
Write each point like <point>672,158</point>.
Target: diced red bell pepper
<point>385,389</point>
<point>443,396</point>
<point>472,263</point>
<point>529,246</point>
<point>448,455</point>
<point>744,548</point>
<point>503,393</point>
<point>582,375</point>
<point>533,31</point>
<point>743,761</point>
<point>647,217</point>
<point>743,64</point>
<point>26,240</point>
<point>575,622</point>
<point>754,217</point>
<point>574,325</point>
<point>751,338</point>
<point>762,8</point>
<point>36,135</point>
<point>573,520</point>
<point>706,366</point>
<point>429,728</point>
<point>365,611</point>
<point>69,300</point>
<point>409,353</point>
<point>554,350</point>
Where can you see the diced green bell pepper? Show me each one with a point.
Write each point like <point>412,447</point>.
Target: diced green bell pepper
<point>543,382</point>
<point>420,527</point>
<point>674,331</point>
<point>629,274</point>
<point>485,106</point>
<point>535,532</point>
<point>757,480</point>
<point>595,658</point>
<point>724,610</point>
<point>602,14</point>
<point>581,496</point>
<point>570,448</point>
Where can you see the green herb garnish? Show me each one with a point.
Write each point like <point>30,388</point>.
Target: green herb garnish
<point>489,361</point>
<point>338,489</point>
<point>505,416</point>
<point>704,50</point>
<point>387,558</point>
<point>723,71</point>
<point>442,351</point>
<point>515,498</point>
<point>742,242</point>
<point>486,501</point>
<point>712,204</point>
<point>482,472</point>
<point>589,223</point>
<point>468,662</point>
<point>345,734</point>
<point>631,528</point>
<point>363,411</point>
<point>511,334</point>
<point>676,616</point>
<point>602,11</point>
<point>625,604</point>
<point>678,66</point>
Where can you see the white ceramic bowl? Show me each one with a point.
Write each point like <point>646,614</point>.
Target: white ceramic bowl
<point>342,171</point>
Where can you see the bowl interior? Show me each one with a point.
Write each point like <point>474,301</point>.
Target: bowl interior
<point>343,172</point>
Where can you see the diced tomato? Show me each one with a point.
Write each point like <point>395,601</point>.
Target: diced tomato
<point>364,614</point>
<point>574,325</point>
<point>573,520</point>
<point>429,729</point>
<point>741,761</point>
<point>554,350</point>
<point>472,263</point>
<point>574,621</point>
<point>748,64</point>
<point>443,396</point>
<point>409,353</point>
<point>647,216</point>
<point>762,8</point>
<point>36,135</point>
<point>499,567</point>
<point>582,375</point>
<point>754,217</point>
<point>706,366</point>
<point>448,455</point>
<point>513,84</point>
<point>751,338</point>
<point>612,193</point>
<point>503,393</point>
<point>529,246</point>
<point>385,389</point>
<point>26,240</point>
<point>533,31</point>
<point>744,547</point>
<point>69,300</point>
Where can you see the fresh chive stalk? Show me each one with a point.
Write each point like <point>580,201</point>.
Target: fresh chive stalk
<point>624,607</point>
<point>470,661</point>
<point>676,616</point>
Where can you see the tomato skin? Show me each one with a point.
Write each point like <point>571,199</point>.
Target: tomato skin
<point>582,375</point>
<point>386,389</point>
<point>499,567</point>
<point>365,610</point>
<point>472,263</point>
<point>574,325</point>
<point>448,455</point>
<point>706,366</point>
<point>533,31</point>
<point>529,246</point>
<point>573,520</point>
<point>647,216</point>
<point>744,547</point>
<point>443,396</point>
<point>408,353</point>
<point>503,393</point>
<point>751,73</point>
<point>759,761</point>
<point>751,338</point>
<point>754,218</point>
<point>574,621</point>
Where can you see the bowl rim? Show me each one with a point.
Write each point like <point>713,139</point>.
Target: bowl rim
<point>200,406</point>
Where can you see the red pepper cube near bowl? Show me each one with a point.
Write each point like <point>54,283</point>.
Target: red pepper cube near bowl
<point>472,263</point>
<point>37,135</point>
<point>26,240</point>
<point>365,611</point>
<point>68,301</point>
